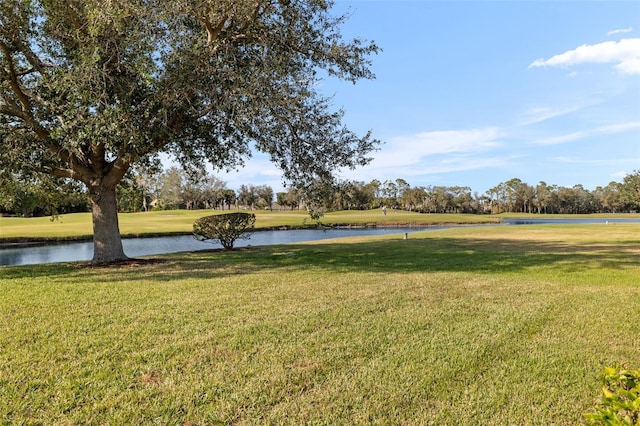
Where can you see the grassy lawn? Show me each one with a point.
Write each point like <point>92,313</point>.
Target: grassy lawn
<point>78,225</point>
<point>485,325</point>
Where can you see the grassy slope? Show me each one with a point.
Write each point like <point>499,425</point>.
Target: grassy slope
<point>496,325</point>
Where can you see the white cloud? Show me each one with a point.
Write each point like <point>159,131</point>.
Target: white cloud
<point>620,127</point>
<point>624,53</point>
<point>570,137</point>
<point>270,171</point>
<point>619,176</point>
<point>430,153</point>
<point>602,130</point>
<point>539,114</point>
<point>417,174</point>
<point>258,170</point>
<point>620,31</point>
<point>411,149</point>
<point>613,162</point>
<point>630,66</point>
<point>455,164</point>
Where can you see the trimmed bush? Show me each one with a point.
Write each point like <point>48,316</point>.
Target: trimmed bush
<point>224,228</point>
<point>621,399</point>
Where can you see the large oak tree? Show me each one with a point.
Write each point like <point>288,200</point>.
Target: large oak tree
<point>91,88</point>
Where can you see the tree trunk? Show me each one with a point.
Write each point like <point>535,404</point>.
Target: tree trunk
<point>107,244</point>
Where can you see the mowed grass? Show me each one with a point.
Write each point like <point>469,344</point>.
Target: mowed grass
<point>483,325</point>
<point>78,225</point>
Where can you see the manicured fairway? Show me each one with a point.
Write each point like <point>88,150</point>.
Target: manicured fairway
<point>484,325</point>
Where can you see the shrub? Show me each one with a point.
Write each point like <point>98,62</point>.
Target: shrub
<point>224,228</point>
<point>621,401</point>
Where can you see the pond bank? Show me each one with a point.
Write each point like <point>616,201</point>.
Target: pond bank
<point>17,242</point>
<point>49,251</point>
<point>137,247</point>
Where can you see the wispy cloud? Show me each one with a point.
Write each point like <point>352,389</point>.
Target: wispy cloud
<point>625,54</point>
<point>620,31</point>
<point>619,175</point>
<point>433,166</point>
<point>434,152</point>
<point>602,130</point>
<point>411,149</point>
<point>258,170</point>
<point>457,164</point>
<point>590,163</point>
<point>539,114</point>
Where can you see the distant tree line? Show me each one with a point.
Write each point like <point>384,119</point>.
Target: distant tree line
<point>176,189</point>
<point>517,196</point>
<point>514,196</point>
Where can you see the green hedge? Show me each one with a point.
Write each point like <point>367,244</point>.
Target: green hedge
<point>224,228</point>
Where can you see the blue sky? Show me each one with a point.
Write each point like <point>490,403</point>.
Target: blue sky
<point>474,93</point>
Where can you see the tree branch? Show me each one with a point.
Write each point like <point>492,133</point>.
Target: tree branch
<point>116,170</point>
<point>13,78</point>
<point>75,164</point>
<point>63,173</point>
<point>36,64</point>
<point>11,108</point>
<point>73,15</point>
<point>213,32</point>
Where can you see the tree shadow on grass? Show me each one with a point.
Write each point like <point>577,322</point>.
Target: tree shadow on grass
<point>381,256</point>
<point>461,255</point>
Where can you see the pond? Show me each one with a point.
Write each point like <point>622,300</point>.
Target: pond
<point>135,247</point>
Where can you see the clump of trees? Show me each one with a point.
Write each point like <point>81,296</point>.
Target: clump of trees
<point>253,196</point>
<point>224,228</point>
<point>27,196</point>
<point>175,189</point>
<point>520,197</point>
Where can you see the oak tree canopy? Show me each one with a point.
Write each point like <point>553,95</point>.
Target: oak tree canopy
<point>89,89</point>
